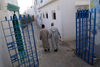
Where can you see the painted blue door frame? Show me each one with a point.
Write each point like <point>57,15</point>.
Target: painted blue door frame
<point>85,34</point>
<point>28,57</point>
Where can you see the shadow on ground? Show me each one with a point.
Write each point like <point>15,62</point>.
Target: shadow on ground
<point>65,57</point>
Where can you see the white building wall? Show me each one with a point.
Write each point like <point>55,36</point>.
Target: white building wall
<point>15,2</point>
<point>68,10</point>
<point>35,8</point>
<point>38,18</point>
<point>54,6</point>
<point>30,11</point>
<point>5,60</point>
<point>66,15</point>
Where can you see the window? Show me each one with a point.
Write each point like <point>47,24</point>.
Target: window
<point>54,14</point>
<point>47,15</point>
<point>43,15</point>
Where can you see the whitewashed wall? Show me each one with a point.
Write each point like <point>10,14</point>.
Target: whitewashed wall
<point>5,59</point>
<point>68,9</point>
<point>4,55</point>
<point>30,11</point>
<point>15,2</point>
<point>65,12</point>
<point>49,8</point>
<point>38,18</point>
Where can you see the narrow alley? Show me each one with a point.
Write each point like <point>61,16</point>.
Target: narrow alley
<point>65,57</point>
<point>78,22</point>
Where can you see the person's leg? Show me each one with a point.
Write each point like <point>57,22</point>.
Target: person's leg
<point>48,49</point>
<point>52,43</point>
<point>48,46</point>
<point>54,46</point>
<point>56,49</point>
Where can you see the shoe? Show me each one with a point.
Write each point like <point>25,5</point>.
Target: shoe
<point>48,49</point>
<point>55,50</point>
<point>45,50</point>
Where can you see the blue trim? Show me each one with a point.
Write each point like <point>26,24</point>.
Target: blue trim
<point>83,36</point>
<point>89,34</point>
<point>94,34</point>
<point>76,32</point>
<point>41,1</point>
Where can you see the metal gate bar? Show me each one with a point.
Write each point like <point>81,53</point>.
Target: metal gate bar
<point>85,34</point>
<point>27,56</point>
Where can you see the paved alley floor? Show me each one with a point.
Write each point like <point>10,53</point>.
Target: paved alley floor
<point>65,57</point>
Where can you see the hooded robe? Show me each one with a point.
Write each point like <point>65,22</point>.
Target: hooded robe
<point>54,35</point>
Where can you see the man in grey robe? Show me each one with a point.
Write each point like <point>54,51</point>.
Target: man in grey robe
<point>54,35</point>
<point>44,37</point>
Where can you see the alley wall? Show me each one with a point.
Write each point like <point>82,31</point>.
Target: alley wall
<point>5,60</point>
<point>68,17</point>
<point>49,9</point>
<point>65,15</point>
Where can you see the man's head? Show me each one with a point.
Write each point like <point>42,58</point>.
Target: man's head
<point>43,26</point>
<point>52,24</point>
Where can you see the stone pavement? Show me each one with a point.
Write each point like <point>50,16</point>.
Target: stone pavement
<point>65,57</point>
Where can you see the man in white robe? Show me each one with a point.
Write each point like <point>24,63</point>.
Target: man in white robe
<point>44,37</point>
<point>54,35</point>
